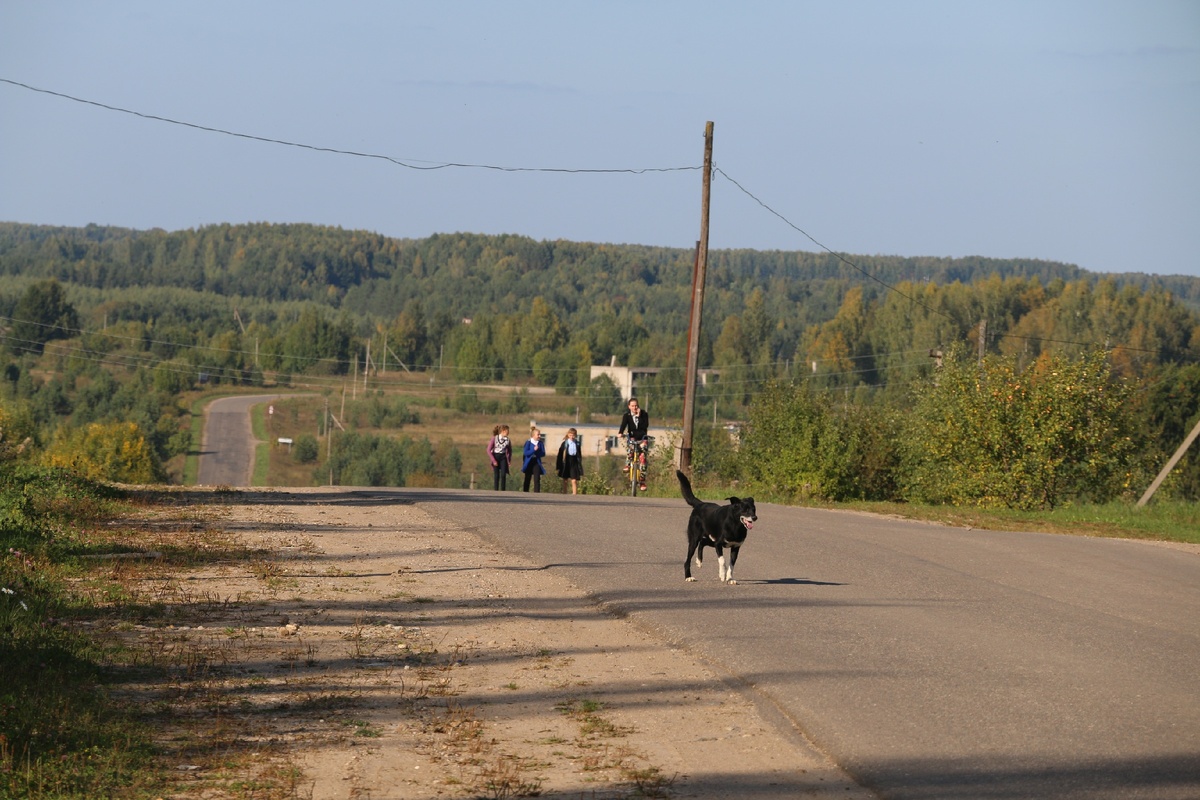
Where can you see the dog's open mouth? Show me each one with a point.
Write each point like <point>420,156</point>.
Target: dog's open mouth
<point>747,521</point>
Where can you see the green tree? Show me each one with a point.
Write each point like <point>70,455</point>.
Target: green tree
<point>603,396</point>
<point>472,360</point>
<point>315,342</point>
<point>42,314</point>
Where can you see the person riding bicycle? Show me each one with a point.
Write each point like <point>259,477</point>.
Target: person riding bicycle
<point>637,422</point>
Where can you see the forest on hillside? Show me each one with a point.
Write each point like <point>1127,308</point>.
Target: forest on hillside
<point>100,310</point>
<point>586,302</point>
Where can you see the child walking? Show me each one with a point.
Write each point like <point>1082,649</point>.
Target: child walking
<point>569,463</point>
<point>500,454</point>
<point>535,451</point>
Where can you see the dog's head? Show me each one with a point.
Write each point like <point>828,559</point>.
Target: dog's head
<point>747,514</point>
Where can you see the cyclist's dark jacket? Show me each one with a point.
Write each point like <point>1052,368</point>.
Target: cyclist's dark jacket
<point>641,430</point>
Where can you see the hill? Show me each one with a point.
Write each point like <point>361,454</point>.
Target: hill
<point>490,305</point>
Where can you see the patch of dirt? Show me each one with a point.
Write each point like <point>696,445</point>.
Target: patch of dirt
<point>356,649</point>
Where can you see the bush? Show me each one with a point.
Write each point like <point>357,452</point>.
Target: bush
<point>360,460</point>
<point>992,436</point>
<point>393,413</point>
<point>306,449</point>
<point>592,483</point>
<point>798,444</point>
<point>108,452</point>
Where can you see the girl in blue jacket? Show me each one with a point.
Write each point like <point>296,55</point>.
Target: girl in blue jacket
<point>535,451</point>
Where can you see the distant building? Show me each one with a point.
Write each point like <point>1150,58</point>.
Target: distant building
<point>626,378</point>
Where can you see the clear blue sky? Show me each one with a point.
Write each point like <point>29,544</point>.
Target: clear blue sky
<point>1060,130</point>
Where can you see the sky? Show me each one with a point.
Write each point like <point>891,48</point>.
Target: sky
<point>1064,130</point>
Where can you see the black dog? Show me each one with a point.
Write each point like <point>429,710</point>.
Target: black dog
<point>718,527</point>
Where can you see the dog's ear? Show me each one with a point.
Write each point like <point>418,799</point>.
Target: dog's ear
<point>733,500</point>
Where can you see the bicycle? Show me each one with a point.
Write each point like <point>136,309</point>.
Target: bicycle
<point>635,463</point>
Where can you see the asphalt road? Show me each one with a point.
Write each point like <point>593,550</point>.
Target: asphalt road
<point>227,446</point>
<point>929,662</point>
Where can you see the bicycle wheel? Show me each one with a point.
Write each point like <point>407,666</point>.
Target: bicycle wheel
<point>633,478</point>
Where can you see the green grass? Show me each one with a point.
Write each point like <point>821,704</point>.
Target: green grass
<point>61,734</point>
<point>262,450</point>
<point>1172,521</point>
<point>262,463</point>
<point>258,421</point>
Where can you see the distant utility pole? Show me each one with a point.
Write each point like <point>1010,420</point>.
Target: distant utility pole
<point>698,274</point>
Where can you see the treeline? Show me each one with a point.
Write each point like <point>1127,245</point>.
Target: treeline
<point>298,297</point>
<point>107,325</point>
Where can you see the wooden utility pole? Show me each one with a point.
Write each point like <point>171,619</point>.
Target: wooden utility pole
<point>366,367</point>
<point>1162,475</point>
<point>698,274</point>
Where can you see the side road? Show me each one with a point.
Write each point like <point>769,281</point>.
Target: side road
<point>387,653</point>
<point>227,444</point>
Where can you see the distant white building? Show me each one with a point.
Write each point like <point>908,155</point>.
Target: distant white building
<point>626,378</point>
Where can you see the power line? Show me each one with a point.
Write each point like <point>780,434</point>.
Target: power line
<point>892,288</point>
<point>836,255</point>
<point>406,163</point>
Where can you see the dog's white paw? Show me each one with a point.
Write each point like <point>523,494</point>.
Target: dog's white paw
<point>690,580</point>
<point>732,582</point>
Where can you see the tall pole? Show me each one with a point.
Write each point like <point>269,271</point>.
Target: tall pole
<point>698,274</point>
<point>1162,475</point>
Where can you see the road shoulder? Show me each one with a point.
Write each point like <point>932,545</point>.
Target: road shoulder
<point>397,655</point>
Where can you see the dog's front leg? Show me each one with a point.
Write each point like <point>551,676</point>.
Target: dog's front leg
<point>724,568</point>
<point>733,554</point>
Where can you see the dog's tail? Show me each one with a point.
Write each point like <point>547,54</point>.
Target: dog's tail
<point>686,487</point>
